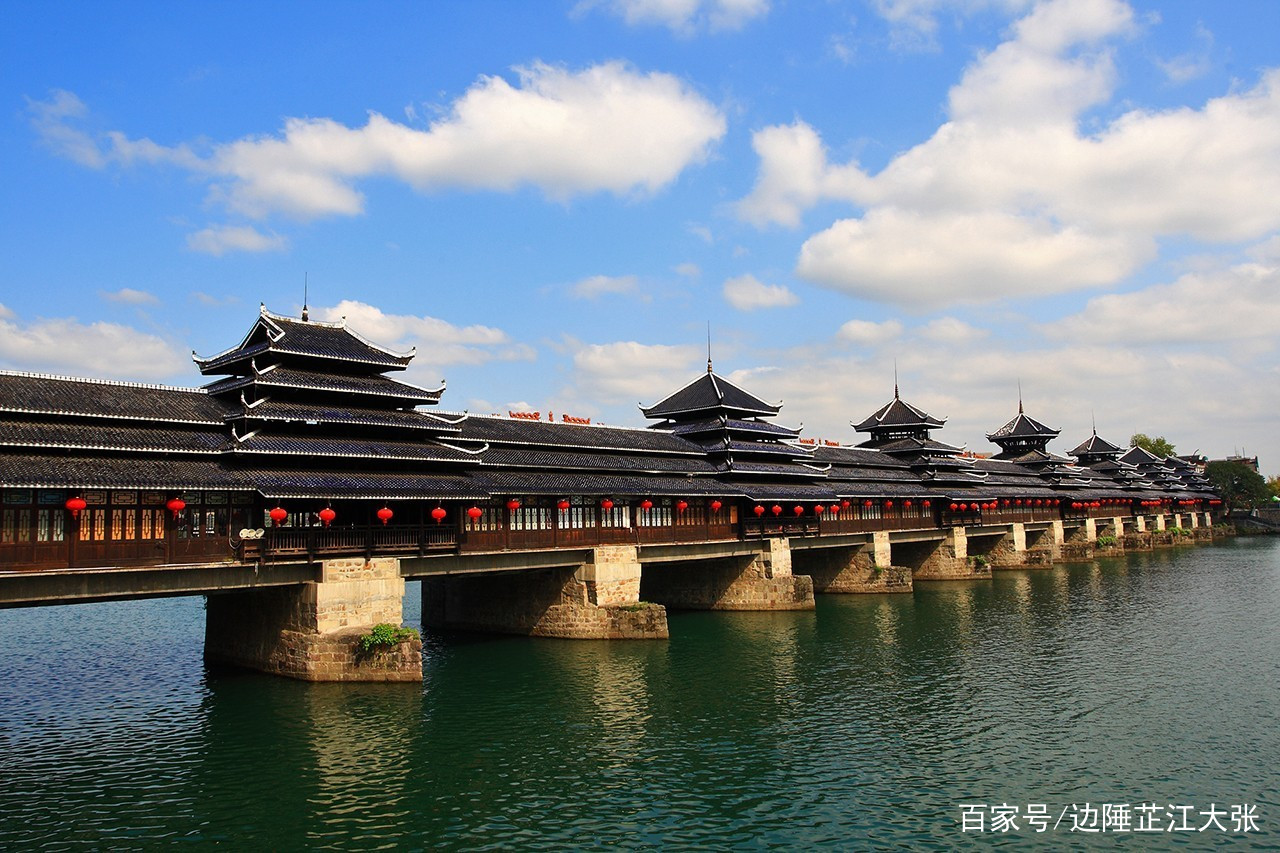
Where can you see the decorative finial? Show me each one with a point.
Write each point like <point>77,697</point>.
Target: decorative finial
<point>1019,396</point>
<point>895,379</point>
<point>708,346</point>
<point>304,297</point>
<point>1093,415</point>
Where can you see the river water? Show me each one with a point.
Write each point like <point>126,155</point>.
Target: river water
<point>876,721</point>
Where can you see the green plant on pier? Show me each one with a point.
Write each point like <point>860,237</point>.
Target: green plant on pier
<point>384,636</point>
<point>1107,541</point>
<point>981,561</point>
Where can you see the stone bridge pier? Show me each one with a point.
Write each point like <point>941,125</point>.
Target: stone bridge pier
<point>598,600</point>
<point>860,568</point>
<point>941,560</point>
<point>311,631</point>
<point>761,580</point>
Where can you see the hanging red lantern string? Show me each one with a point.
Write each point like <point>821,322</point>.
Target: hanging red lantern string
<point>926,504</point>
<point>474,513</point>
<point>715,506</point>
<point>606,504</point>
<point>759,510</point>
<point>327,515</point>
<point>646,504</point>
<point>278,515</point>
<point>868,503</point>
<point>954,507</point>
<point>681,506</point>
<point>513,504</point>
<point>76,505</point>
<point>888,504</point>
<point>438,514</point>
<point>176,506</point>
<point>819,509</point>
<point>845,504</point>
<point>563,506</point>
<point>777,510</point>
<point>798,510</point>
<point>384,514</point>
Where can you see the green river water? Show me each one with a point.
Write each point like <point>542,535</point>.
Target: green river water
<point>870,723</point>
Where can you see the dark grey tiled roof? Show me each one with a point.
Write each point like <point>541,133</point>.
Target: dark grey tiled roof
<point>285,485</point>
<point>569,436</point>
<point>56,395</point>
<point>1093,445</point>
<point>368,387</point>
<point>568,460</point>
<point>730,425</point>
<point>90,436</point>
<point>273,334</point>
<point>272,410</point>
<point>95,472</point>
<point>544,483</point>
<point>900,414</point>
<point>1023,427</point>
<point>787,493</point>
<point>353,448</point>
<point>710,393</point>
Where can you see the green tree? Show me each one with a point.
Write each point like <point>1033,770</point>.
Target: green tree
<point>1158,445</point>
<point>1239,485</point>
<point>1273,483</point>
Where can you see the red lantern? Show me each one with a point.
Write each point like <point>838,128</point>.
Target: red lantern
<point>175,506</point>
<point>1039,502</point>
<point>384,514</point>
<point>954,507</point>
<point>438,513</point>
<point>759,510</point>
<point>1006,501</point>
<point>867,503</point>
<point>75,505</point>
<point>278,515</point>
<point>715,506</point>
<point>327,515</point>
<point>473,513</point>
<point>681,506</point>
<point>563,506</point>
<point>888,504</point>
<point>926,504</point>
<point>513,504</point>
<point>819,509</point>
<point>606,504</point>
<point>844,504</point>
<point>907,502</point>
<point>798,510</point>
<point>776,509</point>
<point>964,507</point>
<point>646,504</point>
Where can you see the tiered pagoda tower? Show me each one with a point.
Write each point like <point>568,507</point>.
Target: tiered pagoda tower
<point>310,401</point>
<point>904,432</point>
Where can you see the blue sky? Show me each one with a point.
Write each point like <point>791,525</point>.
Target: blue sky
<point>552,200</point>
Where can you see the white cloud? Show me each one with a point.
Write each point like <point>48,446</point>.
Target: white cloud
<point>914,23</point>
<point>684,17</point>
<point>1011,195</point>
<point>439,343</point>
<point>605,128</point>
<point>65,345</point>
<point>129,296</point>
<point>869,334</point>
<point>214,301</point>
<point>747,293</point>
<point>1221,306</point>
<point>628,371</point>
<point>919,260</point>
<point>689,270</point>
<point>596,286</point>
<point>951,331</point>
<point>220,239</point>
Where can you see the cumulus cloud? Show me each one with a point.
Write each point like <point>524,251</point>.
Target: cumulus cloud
<point>951,331</point>
<point>683,17</point>
<point>129,296</point>
<point>627,371</point>
<point>914,23</point>
<point>1011,195</point>
<point>596,286</point>
<point>65,345</point>
<point>869,334</point>
<point>918,260</point>
<point>439,343</point>
<point>747,293</point>
<point>1216,306</point>
<point>608,128</point>
<point>220,239</point>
